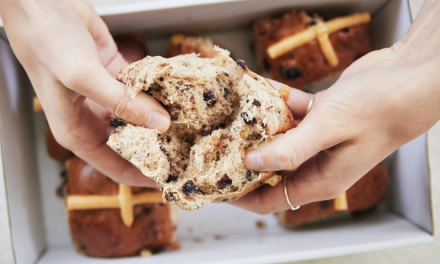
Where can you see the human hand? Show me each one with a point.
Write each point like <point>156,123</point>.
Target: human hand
<point>382,101</point>
<point>71,59</point>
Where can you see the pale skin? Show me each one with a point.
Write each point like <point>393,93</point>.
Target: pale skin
<point>71,59</point>
<point>382,101</point>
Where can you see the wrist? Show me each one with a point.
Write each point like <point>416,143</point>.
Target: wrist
<point>422,40</point>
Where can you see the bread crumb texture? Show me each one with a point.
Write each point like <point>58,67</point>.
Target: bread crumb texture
<point>218,110</point>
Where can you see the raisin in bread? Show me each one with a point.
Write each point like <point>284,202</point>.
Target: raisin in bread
<point>101,232</point>
<point>306,64</point>
<point>369,192</point>
<point>181,44</point>
<point>218,109</point>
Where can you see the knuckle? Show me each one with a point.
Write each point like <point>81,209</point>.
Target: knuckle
<point>331,191</point>
<point>332,187</point>
<point>124,108</point>
<point>74,78</point>
<point>84,7</point>
<point>84,2</point>
<point>261,210</point>
<point>63,139</point>
<point>70,136</point>
<point>288,158</point>
<point>282,159</point>
<point>263,206</point>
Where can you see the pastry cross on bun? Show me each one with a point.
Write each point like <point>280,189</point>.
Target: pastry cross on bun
<point>218,109</point>
<point>102,232</point>
<point>297,49</point>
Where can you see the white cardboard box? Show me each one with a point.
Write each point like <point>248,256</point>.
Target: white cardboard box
<point>38,228</point>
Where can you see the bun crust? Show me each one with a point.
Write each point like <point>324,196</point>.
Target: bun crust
<point>307,63</point>
<point>367,193</point>
<point>181,44</point>
<point>101,232</point>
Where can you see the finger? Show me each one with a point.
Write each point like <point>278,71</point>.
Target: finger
<point>288,151</point>
<point>88,141</point>
<point>82,71</point>
<point>108,162</point>
<point>116,64</point>
<point>298,100</point>
<point>79,66</point>
<point>113,53</point>
<point>98,110</point>
<point>323,177</point>
<point>105,44</point>
<point>93,81</point>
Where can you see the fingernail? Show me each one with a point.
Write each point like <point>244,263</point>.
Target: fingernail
<point>254,160</point>
<point>158,121</point>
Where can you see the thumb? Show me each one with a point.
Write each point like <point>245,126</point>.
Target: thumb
<point>288,151</point>
<point>323,177</point>
<point>285,152</point>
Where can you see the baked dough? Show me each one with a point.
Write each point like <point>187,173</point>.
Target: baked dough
<point>369,192</point>
<point>101,232</point>
<point>311,61</point>
<point>218,109</point>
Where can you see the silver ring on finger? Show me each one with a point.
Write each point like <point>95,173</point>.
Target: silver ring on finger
<point>293,208</point>
<point>312,100</point>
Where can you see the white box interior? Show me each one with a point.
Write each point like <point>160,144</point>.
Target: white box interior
<point>37,217</point>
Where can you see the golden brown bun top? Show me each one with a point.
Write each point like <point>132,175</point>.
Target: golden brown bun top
<point>101,232</point>
<point>368,192</point>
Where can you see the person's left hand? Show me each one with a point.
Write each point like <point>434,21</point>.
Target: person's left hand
<point>71,60</point>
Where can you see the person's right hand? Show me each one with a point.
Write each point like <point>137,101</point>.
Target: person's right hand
<point>71,59</point>
<point>382,101</point>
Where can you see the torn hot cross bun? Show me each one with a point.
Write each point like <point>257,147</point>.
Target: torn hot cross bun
<point>218,109</point>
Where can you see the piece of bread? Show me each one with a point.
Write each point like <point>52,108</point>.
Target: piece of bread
<point>101,232</point>
<point>181,44</point>
<point>306,64</point>
<point>368,192</point>
<point>218,109</point>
